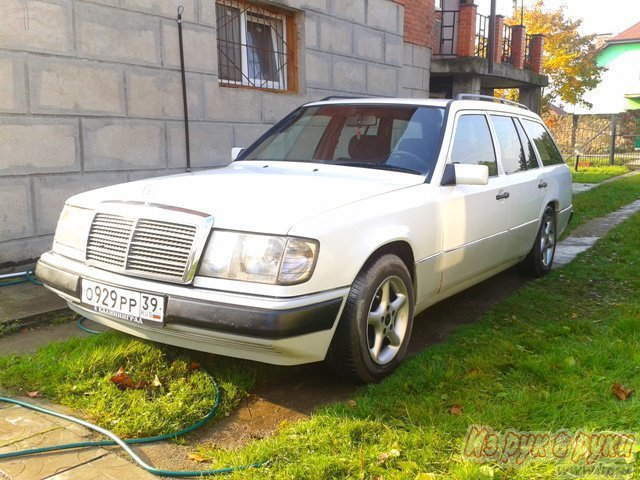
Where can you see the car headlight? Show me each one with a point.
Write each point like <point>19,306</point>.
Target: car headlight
<point>259,258</point>
<point>73,227</point>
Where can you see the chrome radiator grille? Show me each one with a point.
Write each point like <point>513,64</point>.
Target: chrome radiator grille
<point>147,247</point>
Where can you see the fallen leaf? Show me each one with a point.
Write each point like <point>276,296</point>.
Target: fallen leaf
<point>455,409</point>
<point>140,384</point>
<point>621,391</point>
<point>35,394</point>
<point>194,366</point>
<point>124,381</point>
<point>393,453</point>
<point>196,457</point>
<point>351,403</point>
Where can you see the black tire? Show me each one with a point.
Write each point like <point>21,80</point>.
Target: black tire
<point>540,259</point>
<point>352,350</point>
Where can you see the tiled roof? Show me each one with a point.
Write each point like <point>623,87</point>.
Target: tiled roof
<point>630,34</point>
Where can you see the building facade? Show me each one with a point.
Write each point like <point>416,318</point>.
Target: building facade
<point>619,89</point>
<point>92,90</point>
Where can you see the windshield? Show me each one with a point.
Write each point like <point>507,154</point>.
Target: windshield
<point>400,138</point>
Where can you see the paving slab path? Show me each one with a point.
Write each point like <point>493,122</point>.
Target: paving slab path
<point>24,429</point>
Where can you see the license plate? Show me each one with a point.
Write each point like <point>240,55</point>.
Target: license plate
<point>125,304</point>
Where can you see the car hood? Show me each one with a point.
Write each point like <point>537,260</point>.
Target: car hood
<point>267,197</point>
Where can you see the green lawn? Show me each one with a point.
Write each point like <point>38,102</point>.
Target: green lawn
<point>596,174</point>
<point>175,393</point>
<point>543,360</point>
<point>603,200</point>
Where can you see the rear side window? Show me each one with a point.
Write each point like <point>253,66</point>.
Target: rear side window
<point>472,143</point>
<point>511,152</point>
<point>549,154</point>
<point>529,153</point>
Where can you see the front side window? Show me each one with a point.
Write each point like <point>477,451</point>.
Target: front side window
<point>472,143</point>
<point>253,49</point>
<point>548,151</point>
<point>401,138</point>
<point>511,152</point>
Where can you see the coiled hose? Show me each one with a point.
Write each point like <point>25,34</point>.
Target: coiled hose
<point>115,440</point>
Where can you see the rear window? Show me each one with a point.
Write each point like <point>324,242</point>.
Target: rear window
<point>529,153</point>
<point>548,151</point>
<point>511,152</point>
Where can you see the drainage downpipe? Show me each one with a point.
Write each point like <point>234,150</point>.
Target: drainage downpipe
<point>184,89</point>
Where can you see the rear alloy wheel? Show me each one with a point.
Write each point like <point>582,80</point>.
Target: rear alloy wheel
<point>540,259</point>
<point>374,330</point>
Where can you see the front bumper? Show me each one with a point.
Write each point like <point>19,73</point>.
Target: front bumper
<point>283,331</point>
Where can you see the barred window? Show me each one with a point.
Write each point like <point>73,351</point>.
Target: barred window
<point>252,46</point>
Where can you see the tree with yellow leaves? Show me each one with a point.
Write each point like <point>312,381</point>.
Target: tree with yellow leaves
<point>569,58</point>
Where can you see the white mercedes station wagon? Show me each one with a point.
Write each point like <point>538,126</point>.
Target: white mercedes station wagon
<point>324,238</point>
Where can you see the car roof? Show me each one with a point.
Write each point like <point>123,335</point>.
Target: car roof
<point>467,104</point>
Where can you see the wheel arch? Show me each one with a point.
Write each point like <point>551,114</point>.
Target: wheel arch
<point>403,250</point>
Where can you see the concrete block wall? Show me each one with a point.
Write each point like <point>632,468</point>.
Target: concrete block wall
<point>416,71</point>
<point>91,94</point>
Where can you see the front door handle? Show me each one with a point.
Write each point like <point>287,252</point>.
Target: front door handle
<point>501,196</point>
<point>542,185</point>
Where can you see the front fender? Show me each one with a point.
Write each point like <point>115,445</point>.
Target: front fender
<point>351,234</point>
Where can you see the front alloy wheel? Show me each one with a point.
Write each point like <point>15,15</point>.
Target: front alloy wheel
<point>374,330</point>
<point>388,320</point>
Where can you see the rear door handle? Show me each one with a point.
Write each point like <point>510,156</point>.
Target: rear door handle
<point>542,185</point>
<point>501,196</point>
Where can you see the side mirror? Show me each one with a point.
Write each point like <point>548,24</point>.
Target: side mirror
<point>235,153</point>
<point>463,174</point>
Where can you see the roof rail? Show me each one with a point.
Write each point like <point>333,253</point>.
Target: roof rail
<point>338,97</point>
<point>488,98</point>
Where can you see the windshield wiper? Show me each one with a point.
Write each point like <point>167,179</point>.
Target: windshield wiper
<point>377,167</point>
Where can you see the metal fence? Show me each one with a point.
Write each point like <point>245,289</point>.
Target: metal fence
<point>482,35</point>
<point>527,51</point>
<point>598,140</point>
<point>449,20</point>
<point>506,44</point>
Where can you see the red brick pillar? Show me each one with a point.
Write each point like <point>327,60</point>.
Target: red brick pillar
<point>518,33</point>
<point>467,31</point>
<point>537,49</point>
<point>499,36</point>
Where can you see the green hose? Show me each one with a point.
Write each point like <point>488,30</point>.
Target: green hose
<point>29,277</point>
<point>124,444</point>
<point>80,325</point>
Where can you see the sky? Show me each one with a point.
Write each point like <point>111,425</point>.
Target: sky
<point>610,16</point>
